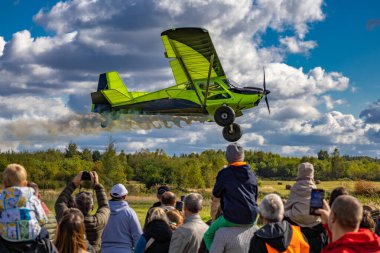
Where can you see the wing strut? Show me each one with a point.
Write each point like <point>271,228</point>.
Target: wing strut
<point>208,77</point>
<point>186,72</point>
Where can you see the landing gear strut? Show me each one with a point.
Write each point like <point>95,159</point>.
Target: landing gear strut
<point>232,132</point>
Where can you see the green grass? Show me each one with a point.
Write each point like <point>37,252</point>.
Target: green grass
<point>142,203</point>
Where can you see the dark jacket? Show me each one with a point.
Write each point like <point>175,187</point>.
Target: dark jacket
<point>41,244</point>
<point>237,188</point>
<point>316,237</point>
<point>94,223</point>
<point>162,234</point>
<point>277,234</point>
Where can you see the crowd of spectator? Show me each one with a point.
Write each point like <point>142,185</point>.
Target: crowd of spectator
<point>239,223</point>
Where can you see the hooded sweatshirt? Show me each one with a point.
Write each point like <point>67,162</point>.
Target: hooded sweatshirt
<point>123,229</point>
<point>21,214</point>
<point>236,185</point>
<point>352,242</point>
<point>277,235</point>
<point>297,207</point>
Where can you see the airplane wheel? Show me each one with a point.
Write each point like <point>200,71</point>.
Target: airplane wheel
<point>224,116</point>
<point>232,132</point>
<point>104,124</point>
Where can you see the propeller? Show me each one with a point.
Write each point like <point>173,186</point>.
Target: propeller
<point>266,92</point>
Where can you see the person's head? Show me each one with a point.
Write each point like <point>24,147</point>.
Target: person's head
<point>175,218</point>
<point>118,192</point>
<point>305,171</point>
<point>35,188</point>
<point>234,153</point>
<point>193,203</point>
<point>336,193</point>
<point>84,202</point>
<point>271,208</point>
<point>157,213</point>
<point>346,214</point>
<point>161,190</point>
<point>70,235</point>
<point>168,199</point>
<point>367,221</point>
<point>14,175</point>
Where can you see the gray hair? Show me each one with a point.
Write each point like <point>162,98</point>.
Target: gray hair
<point>193,202</point>
<point>271,208</point>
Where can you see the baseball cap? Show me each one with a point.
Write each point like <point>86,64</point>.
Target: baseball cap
<point>162,189</point>
<point>118,190</point>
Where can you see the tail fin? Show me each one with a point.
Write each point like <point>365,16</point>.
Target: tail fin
<point>112,81</point>
<point>111,89</point>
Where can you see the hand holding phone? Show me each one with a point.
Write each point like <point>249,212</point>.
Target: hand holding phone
<point>316,200</point>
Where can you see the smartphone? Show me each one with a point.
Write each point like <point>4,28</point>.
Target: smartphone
<point>179,206</point>
<point>316,200</point>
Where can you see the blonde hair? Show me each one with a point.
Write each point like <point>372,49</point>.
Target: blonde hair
<point>14,175</point>
<point>175,218</point>
<point>157,213</point>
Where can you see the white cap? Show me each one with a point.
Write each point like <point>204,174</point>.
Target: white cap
<point>118,190</point>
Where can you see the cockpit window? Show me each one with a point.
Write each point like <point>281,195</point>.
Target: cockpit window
<point>212,86</point>
<point>230,83</point>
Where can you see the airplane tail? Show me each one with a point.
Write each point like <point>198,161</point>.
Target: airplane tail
<point>111,90</point>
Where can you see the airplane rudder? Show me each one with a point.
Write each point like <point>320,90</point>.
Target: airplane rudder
<point>102,83</point>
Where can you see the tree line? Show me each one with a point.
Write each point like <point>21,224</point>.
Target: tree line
<point>54,168</point>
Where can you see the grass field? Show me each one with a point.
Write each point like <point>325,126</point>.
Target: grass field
<point>141,203</point>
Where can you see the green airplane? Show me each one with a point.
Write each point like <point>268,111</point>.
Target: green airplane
<point>202,87</point>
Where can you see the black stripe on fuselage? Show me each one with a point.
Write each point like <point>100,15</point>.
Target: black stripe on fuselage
<point>163,106</point>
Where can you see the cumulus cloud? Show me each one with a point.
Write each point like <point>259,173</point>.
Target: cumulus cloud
<point>293,45</point>
<point>330,103</point>
<point>2,44</point>
<point>372,113</point>
<point>46,80</point>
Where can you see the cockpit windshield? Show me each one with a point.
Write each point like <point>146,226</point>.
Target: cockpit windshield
<point>231,84</point>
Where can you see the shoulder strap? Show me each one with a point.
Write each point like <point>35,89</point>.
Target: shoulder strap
<point>149,243</point>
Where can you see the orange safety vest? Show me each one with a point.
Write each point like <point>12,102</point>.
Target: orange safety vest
<point>297,244</point>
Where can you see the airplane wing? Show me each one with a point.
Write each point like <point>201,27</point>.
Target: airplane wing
<point>192,49</point>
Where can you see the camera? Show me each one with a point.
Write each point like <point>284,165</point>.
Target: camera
<point>86,176</point>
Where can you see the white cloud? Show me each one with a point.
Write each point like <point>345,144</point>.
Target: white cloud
<point>330,103</point>
<point>2,44</point>
<point>294,45</point>
<point>295,150</point>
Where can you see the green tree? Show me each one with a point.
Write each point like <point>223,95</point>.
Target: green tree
<point>71,150</point>
<point>96,155</point>
<point>112,168</point>
<point>323,155</point>
<point>86,154</point>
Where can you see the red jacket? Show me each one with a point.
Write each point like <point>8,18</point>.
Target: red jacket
<point>362,241</point>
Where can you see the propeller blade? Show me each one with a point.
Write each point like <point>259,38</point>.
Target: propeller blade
<point>266,101</point>
<point>264,83</point>
<point>265,91</point>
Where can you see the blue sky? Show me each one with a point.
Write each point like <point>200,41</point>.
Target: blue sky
<point>345,44</point>
<point>321,59</point>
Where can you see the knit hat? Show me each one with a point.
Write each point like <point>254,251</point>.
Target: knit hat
<point>305,171</point>
<point>118,190</point>
<point>234,153</point>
